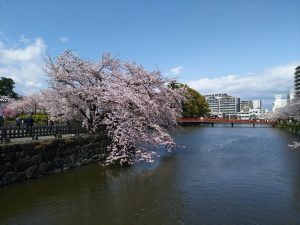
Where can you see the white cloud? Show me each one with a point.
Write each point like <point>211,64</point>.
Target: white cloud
<point>64,39</point>
<point>24,65</point>
<point>262,85</point>
<point>175,71</point>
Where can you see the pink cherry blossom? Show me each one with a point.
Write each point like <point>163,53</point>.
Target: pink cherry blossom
<point>136,106</point>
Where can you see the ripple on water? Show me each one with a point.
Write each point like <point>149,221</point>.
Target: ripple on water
<point>224,176</point>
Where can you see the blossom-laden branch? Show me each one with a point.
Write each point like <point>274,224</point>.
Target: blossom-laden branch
<point>291,110</point>
<point>291,113</point>
<point>136,106</point>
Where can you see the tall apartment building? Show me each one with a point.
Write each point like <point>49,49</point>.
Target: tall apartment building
<point>223,104</point>
<point>257,104</point>
<point>213,102</point>
<point>297,81</point>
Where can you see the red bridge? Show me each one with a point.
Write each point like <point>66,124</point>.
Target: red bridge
<point>191,121</point>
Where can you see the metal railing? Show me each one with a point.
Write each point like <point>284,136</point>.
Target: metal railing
<point>10,132</point>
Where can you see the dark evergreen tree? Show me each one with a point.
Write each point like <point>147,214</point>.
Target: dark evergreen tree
<point>196,105</point>
<point>6,87</point>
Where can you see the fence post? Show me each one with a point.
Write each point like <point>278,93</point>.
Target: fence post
<point>4,138</point>
<point>57,135</point>
<point>2,135</point>
<point>77,130</point>
<point>34,134</point>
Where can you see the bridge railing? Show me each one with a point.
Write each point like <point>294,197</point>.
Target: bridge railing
<point>219,120</point>
<point>10,132</point>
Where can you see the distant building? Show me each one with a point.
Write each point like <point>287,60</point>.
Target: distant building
<point>243,115</point>
<point>3,101</point>
<point>245,106</point>
<point>213,102</point>
<point>257,104</point>
<point>297,81</point>
<point>257,113</point>
<point>223,104</point>
<point>229,105</point>
<point>252,114</point>
<point>290,95</point>
<point>278,103</point>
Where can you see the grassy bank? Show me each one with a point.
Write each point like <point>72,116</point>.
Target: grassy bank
<point>289,125</point>
<point>39,119</point>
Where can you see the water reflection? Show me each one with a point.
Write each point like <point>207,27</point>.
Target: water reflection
<point>137,195</point>
<point>296,179</point>
<point>223,176</point>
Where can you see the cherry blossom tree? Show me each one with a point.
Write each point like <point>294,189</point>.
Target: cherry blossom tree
<point>57,107</point>
<point>292,112</point>
<point>8,112</point>
<point>136,106</point>
<point>27,104</point>
<point>292,109</point>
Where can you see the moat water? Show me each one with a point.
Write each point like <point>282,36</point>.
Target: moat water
<point>223,176</point>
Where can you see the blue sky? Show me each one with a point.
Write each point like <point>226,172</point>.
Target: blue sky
<point>246,48</point>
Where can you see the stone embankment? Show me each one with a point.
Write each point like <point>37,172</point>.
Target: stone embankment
<point>34,159</point>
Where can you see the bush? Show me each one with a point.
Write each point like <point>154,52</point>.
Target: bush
<point>39,119</point>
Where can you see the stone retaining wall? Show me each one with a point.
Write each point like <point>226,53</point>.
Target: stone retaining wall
<point>34,159</point>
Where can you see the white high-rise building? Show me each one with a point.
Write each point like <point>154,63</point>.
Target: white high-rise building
<point>278,103</point>
<point>290,95</point>
<point>257,104</point>
<point>223,104</point>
